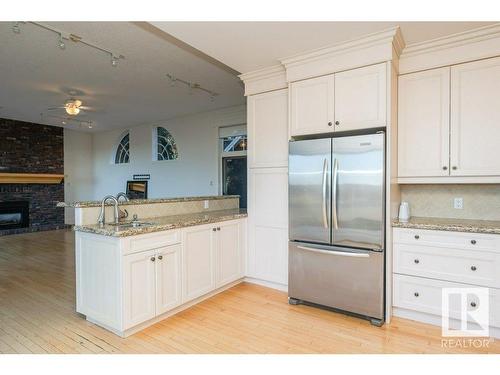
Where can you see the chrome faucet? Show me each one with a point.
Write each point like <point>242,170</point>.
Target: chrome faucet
<point>122,195</point>
<point>102,215</point>
<point>122,214</point>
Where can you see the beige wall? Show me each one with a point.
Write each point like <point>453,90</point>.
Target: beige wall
<point>481,202</point>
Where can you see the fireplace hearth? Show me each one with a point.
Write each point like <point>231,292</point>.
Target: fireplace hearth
<point>14,214</point>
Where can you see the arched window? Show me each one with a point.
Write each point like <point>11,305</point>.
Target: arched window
<point>122,154</point>
<point>166,149</point>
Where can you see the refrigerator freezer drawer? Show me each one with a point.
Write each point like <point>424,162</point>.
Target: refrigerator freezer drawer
<point>330,276</point>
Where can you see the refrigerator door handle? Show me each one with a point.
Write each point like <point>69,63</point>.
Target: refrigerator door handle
<point>325,209</point>
<point>330,252</point>
<point>334,197</point>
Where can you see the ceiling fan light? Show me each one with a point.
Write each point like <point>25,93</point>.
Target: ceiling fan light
<point>72,110</point>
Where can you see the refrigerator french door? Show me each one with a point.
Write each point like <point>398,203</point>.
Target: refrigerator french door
<point>336,223</point>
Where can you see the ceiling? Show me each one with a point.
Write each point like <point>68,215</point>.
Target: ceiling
<point>36,74</point>
<point>248,46</point>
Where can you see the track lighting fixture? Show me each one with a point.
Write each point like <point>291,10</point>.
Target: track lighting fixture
<point>62,45</point>
<point>16,29</point>
<point>191,86</point>
<point>65,36</point>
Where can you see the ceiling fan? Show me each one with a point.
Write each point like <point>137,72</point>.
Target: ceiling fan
<point>72,107</point>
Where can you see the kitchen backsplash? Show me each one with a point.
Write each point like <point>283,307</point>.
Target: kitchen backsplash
<point>481,202</point>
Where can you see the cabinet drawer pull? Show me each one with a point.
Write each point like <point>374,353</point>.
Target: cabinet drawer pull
<point>152,259</point>
<point>160,257</point>
<point>214,229</point>
<point>330,123</point>
<point>473,242</point>
<point>337,123</point>
<point>416,294</point>
<point>218,228</point>
<point>417,236</point>
<point>473,304</point>
<point>417,261</point>
<point>473,268</point>
<point>445,168</point>
<point>454,168</point>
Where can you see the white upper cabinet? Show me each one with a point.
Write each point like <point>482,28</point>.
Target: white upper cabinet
<point>423,123</point>
<point>475,118</point>
<point>350,100</point>
<point>361,98</point>
<point>268,129</point>
<point>312,106</point>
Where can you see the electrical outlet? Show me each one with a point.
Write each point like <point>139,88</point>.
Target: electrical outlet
<point>458,203</point>
<point>205,204</point>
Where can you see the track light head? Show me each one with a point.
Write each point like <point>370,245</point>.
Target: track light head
<point>114,61</point>
<point>16,29</point>
<point>62,45</point>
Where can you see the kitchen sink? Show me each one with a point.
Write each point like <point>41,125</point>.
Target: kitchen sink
<point>132,224</point>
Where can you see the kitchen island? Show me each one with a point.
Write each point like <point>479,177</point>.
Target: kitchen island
<point>129,277</point>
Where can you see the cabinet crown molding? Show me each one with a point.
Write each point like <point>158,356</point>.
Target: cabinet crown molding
<point>370,49</point>
<point>266,79</point>
<point>452,49</point>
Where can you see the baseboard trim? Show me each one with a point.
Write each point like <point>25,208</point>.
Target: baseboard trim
<point>269,284</point>
<point>434,320</point>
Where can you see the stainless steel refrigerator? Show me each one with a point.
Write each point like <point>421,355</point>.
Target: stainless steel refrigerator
<point>336,223</point>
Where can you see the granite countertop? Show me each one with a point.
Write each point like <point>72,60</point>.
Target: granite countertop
<point>146,201</point>
<point>165,223</point>
<point>452,225</point>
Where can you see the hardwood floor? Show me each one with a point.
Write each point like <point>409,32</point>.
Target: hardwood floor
<point>37,315</point>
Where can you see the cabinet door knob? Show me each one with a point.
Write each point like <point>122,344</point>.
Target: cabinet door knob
<point>416,261</point>
<point>416,294</point>
<point>417,236</point>
<point>218,228</point>
<point>473,268</point>
<point>214,229</point>
<point>473,304</point>
<point>454,168</point>
<point>160,257</point>
<point>445,168</point>
<point>153,259</point>
<point>473,242</point>
<point>330,123</point>
<point>337,123</point>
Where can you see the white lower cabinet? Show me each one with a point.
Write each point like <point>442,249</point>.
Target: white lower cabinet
<point>168,278</point>
<point>230,257</point>
<point>124,283</point>
<point>139,290</point>
<point>198,261</point>
<point>151,284</point>
<point>428,261</point>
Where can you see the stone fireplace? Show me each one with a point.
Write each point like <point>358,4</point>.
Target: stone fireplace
<point>14,215</point>
<point>30,148</point>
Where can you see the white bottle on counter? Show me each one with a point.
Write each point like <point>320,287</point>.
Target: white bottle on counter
<point>404,212</point>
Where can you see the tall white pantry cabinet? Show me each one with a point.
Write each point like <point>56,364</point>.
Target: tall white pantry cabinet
<point>267,125</point>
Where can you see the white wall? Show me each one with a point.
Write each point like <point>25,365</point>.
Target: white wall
<point>78,175</point>
<point>195,172</point>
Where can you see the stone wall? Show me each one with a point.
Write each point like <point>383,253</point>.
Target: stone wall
<point>33,148</point>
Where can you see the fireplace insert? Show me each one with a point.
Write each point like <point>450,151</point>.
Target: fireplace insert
<point>14,214</point>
